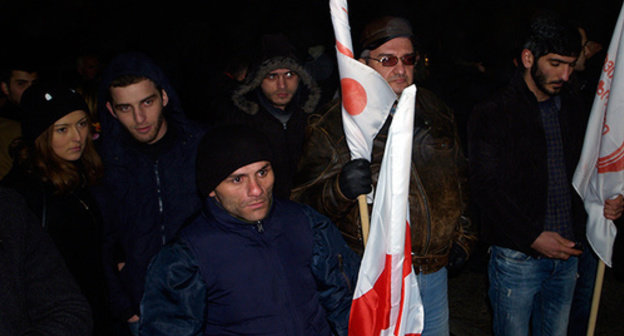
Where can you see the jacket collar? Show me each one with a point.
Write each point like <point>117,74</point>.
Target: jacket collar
<point>267,227</point>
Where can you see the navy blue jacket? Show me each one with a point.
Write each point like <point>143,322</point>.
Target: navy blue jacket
<point>146,195</point>
<point>289,274</point>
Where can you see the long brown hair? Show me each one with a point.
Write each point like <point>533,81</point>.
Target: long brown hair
<point>40,160</point>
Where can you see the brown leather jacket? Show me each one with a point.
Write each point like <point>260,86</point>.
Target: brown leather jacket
<point>438,179</point>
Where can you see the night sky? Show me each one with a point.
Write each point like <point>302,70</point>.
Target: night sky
<point>195,36</point>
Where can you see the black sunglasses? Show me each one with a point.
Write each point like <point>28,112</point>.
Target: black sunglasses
<point>392,60</point>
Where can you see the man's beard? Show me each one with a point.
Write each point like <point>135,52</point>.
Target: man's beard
<point>540,81</point>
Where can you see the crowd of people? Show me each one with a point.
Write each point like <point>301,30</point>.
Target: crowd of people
<point>125,214</point>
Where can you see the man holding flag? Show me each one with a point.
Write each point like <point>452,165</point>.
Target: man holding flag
<point>330,181</point>
<point>524,144</point>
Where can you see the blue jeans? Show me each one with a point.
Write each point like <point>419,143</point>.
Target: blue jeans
<point>526,291</point>
<point>583,293</point>
<point>433,293</point>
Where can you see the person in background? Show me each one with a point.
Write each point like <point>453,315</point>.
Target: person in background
<point>88,71</point>
<point>15,77</point>
<point>277,97</point>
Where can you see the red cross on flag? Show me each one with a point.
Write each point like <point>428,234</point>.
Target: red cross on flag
<point>600,172</point>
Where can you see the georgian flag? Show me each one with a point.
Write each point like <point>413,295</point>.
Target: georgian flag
<point>600,172</point>
<point>386,299</point>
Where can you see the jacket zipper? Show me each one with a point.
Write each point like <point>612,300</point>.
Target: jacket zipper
<point>83,203</point>
<point>160,202</point>
<point>342,271</point>
<point>259,226</point>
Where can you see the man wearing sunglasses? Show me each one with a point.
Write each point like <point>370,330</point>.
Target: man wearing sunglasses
<point>329,181</point>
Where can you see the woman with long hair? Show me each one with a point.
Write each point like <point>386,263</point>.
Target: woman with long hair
<point>55,163</point>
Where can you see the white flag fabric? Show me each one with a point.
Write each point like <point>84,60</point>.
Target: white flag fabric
<point>387,299</point>
<point>366,96</point>
<point>600,172</point>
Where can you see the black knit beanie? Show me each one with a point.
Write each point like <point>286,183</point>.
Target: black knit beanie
<point>44,104</point>
<point>224,149</point>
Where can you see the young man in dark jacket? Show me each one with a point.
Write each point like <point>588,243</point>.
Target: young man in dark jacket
<point>524,146</point>
<point>148,148</point>
<point>250,263</point>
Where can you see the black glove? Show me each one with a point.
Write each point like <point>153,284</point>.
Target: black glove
<point>457,260</point>
<point>355,178</point>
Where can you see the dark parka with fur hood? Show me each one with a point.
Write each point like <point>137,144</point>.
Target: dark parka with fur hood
<point>251,107</point>
<point>148,192</point>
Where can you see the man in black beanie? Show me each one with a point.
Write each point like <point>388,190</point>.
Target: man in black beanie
<point>249,263</point>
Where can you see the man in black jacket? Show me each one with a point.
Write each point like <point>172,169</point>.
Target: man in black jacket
<point>148,148</point>
<point>524,144</point>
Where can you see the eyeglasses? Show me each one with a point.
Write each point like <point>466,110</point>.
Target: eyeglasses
<point>392,60</point>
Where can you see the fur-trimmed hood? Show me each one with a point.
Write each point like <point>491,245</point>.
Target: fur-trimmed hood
<point>308,91</point>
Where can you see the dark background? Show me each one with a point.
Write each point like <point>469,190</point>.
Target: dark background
<point>193,40</point>
<point>213,26</point>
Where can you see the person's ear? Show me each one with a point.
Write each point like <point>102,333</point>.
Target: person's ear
<point>109,107</point>
<point>5,88</point>
<point>527,58</point>
<point>165,97</point>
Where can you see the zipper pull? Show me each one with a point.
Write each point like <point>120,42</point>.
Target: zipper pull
<point>259,227</point>
<point>84,204</point>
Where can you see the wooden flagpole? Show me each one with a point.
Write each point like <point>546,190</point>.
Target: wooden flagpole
<point>593,315</point>
<point>364,217</point>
